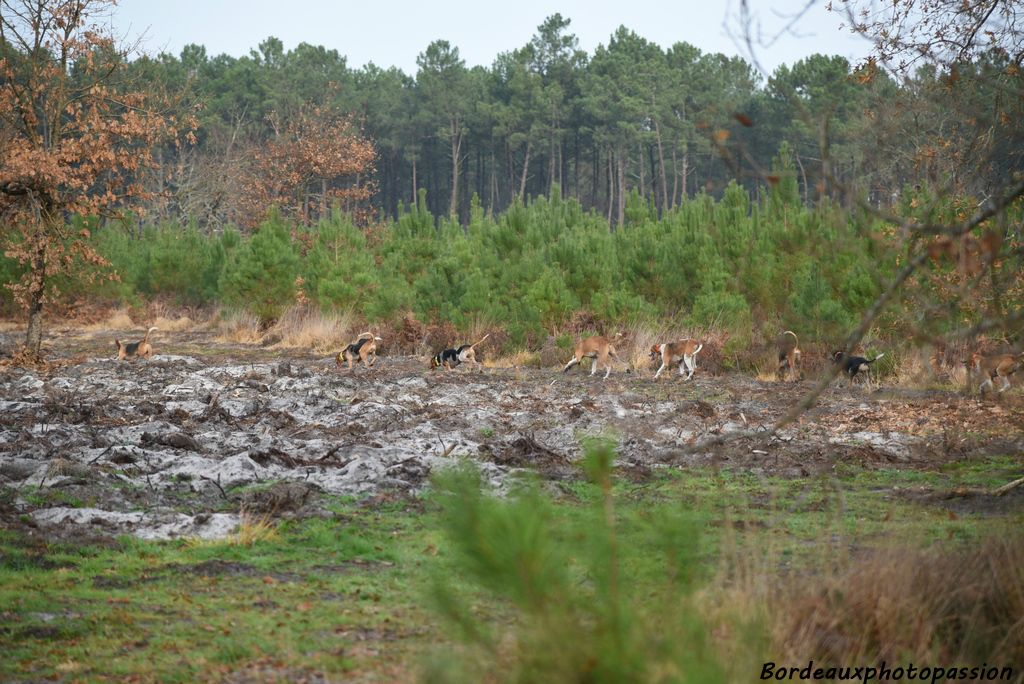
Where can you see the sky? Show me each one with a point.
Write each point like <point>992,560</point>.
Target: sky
<point>393,33</point>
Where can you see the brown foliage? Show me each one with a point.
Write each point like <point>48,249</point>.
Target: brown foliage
<point>917,605</point>
<point>74,138</point>
<point>317,160</point>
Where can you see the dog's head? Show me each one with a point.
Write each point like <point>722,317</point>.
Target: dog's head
<point>655,351</point>
<point>465,353</point>
<point>837,356</point>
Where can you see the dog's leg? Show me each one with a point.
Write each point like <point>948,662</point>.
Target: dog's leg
<point>1006,383</point>
<point>663,364</point>
<point>572,362</point>
<point>593,365</point>
<point>690,364</point>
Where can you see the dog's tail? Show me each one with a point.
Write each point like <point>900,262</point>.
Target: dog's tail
<point>117,342</point>
<point>877,357</point>
<point>473,346</point>
<point>146,338</point>
<point>699,347</point>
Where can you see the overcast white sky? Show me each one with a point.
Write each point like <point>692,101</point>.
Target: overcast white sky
<point>392,33</point>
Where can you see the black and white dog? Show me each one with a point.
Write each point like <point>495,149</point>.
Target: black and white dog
<point>450,358</point>
<point>852,365</point>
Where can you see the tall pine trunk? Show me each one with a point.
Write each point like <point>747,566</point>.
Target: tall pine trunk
<point>526,167</point>
<point>622,188</point>
<point>456,139</point>
<point>415,190</point>
<point>661,168</point>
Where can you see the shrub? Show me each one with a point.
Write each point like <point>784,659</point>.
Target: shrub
<point>261,274</point>
<point>576,613</point>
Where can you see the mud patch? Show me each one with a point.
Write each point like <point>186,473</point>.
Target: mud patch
<point>968,501</point>
<point>179,446</point>
<point>221,568</point>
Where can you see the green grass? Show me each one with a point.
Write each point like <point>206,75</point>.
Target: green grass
<point>349,593</point>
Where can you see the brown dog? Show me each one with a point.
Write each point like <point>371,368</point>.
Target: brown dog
<point>142,348</point>
<point>363,349</point>
<point>789,356</point>
<point>597,348</point>
<point>1001,366</point>
<point>682,353</point>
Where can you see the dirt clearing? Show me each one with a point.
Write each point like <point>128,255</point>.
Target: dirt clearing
<point>179,445</point>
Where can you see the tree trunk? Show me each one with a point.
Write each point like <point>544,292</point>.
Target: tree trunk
<point>661,165</point>
<point>643,187</point>
<point>622,189</point>
<point>526,167</point>
<point>826,160</point>
<point>675,177</point>
<point>37,288</point>
<point>611,191</point>
<point>414,189</point>
<point>686,174</point>
<point>493,189</point>
<point>34,337</point>
<point>456,148</point>
<point>323,197</point>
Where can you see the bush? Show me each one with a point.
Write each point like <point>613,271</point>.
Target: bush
<point>261,274</point>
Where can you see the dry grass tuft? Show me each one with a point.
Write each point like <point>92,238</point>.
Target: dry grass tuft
<point>252,529</point>
<point>938,605</point>
<point>519,359</point>
<point>241,327</point>
<point>932,604</point>
<point>765,373</point>
<point>179,324</point>
<point>305,328</point>
<point>119,319</point>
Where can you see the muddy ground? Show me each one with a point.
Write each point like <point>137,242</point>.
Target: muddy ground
<point>180,444</point>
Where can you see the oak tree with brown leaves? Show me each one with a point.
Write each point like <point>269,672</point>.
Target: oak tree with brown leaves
<point>317,159</point>
<point>75,139</point>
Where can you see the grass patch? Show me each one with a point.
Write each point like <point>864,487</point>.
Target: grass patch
<point>356,594</point>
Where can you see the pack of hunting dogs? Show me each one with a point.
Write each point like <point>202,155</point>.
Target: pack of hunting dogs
<point>680,354</point>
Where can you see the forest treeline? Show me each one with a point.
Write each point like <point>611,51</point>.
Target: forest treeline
<point>750,264</point>
<point>634,182</point>
<point>631,116</point>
